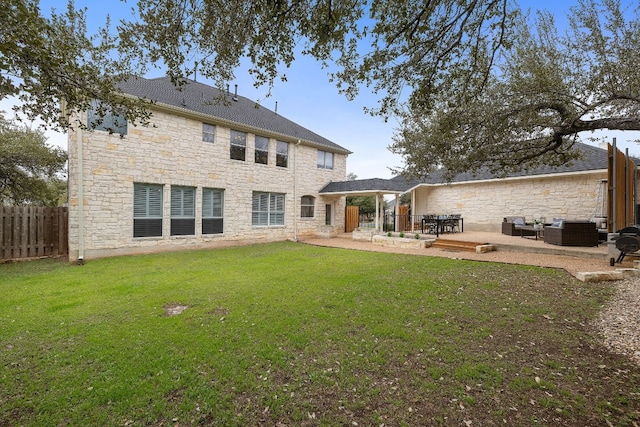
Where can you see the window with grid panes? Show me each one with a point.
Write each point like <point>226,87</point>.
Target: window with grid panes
<point>105,118</point>
<point>267,209</point>
<point>212,211</point>
<point>238,145</point>
<point>262,150</point>
<point>325,160</point>
<point>307,206</point>
<point>282,154</point>
<point>183,211</point>
<point>208,132</point>
<point>147,210</point>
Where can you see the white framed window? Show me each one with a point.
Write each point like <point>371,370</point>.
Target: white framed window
<point>238,145</point>
<point>282,154</point>
<point>325,160</point>
<point>307,206</point>
<point>102,117</point>
<point>208,133</point>
<point>262,150</point>
<point>147,210</point>
<point>212,211</point>
<point>267,209</point>
<point>183,211</point>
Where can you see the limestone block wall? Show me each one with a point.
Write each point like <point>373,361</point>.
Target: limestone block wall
<point>171,152</point>
<point>483,205</point>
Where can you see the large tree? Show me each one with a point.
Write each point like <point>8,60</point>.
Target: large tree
<point>29,168</point>
<point>546,89</point>
<point>54,66</point>
<point>388,45</point>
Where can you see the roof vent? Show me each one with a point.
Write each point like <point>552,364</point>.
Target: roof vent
<point>235,96</point>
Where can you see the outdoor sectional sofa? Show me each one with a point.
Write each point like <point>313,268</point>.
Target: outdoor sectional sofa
<point>571,233</point>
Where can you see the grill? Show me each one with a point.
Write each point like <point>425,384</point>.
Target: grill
<point>627,242</point>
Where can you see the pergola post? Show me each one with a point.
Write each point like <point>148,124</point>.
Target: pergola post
<point>396,212</point>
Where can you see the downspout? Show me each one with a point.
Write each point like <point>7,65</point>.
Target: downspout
<point>295,190</point>
<point>614,197</point>
<point>80,176</point>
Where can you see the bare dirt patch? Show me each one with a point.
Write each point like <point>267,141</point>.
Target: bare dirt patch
<point>173,309</point>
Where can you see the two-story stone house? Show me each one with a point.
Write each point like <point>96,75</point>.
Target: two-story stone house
<point>211,169</point>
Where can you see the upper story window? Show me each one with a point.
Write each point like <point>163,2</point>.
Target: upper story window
<point>325,160</point>
<point>262,150</point>
<point>282,154</point>
<point>238,145</point>
<point>208,132</point>
<point>103,117</point>
<point>307,206</point>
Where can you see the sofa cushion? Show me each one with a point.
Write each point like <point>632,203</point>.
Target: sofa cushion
<point>518,221</point>
<point>557,222</point>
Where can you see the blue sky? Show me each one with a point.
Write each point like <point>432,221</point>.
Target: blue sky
<point>309,99</point>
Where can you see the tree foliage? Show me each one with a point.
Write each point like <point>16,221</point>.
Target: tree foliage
<point>29,168</point>
<point>387,45</point>
<point>549,87</point>
<point>55,67</point>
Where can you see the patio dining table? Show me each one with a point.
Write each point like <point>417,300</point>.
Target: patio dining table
<point>441,222</point>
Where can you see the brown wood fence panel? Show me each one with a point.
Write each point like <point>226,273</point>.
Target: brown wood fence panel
<point>33,232</point>
<point>403,218</point>
<point>624,181</point>
<point>352,220</point>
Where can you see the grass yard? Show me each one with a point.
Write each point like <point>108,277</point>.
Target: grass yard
<point>288,334</point>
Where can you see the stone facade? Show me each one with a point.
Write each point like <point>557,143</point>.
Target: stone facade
<point>171,152</point>
<point>484,204</point>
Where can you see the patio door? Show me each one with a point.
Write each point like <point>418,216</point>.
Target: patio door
<point>328,214</point>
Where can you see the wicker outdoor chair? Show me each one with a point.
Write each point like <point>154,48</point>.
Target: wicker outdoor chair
<point>510,224</point>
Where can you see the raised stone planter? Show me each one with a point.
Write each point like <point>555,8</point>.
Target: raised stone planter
<point>364,234</point>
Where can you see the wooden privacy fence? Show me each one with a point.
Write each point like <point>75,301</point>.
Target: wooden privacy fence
<point>33,232</point>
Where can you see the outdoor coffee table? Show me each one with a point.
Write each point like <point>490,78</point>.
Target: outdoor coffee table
<point>537,232</point>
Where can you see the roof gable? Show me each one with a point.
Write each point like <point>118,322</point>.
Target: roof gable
<point>206,100</point>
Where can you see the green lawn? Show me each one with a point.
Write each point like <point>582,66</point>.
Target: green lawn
<point>288,334</point>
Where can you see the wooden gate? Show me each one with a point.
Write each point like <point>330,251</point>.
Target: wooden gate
<point>404,222</point>
<point>33,232</point>
<point>352,221</point>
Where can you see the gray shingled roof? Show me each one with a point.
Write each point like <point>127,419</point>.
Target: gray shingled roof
<point>204,99</point>
<point>592,158</point>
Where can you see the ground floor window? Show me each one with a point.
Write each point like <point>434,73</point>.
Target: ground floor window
<point>183,211</point>
<point>212,210</point>
<point>267,209</point>
<point>147,210</point>
<point>307,206</point>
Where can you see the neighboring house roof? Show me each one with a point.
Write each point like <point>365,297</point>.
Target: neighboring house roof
<point>233,109</point>
<point>591,159</point>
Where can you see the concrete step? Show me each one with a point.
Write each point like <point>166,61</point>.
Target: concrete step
<point>456,245</point>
